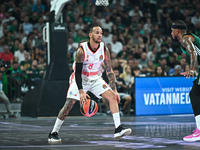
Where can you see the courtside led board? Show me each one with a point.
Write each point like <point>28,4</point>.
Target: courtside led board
<point>162,95</point>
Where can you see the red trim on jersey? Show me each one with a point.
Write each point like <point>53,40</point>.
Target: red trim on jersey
<point>104,51</point>
<point>71,78</point>
<point>91,50</point>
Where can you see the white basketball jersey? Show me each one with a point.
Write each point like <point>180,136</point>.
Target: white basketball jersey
<point>92,64</point>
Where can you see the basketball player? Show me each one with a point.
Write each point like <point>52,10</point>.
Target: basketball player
<point>190,44</point>
<point>87,77</point>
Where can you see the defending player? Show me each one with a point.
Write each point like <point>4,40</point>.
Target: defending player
<point>190,44</point>
<point>87,77</point>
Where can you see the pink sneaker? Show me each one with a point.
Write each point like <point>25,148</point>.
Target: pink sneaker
<point>193,137</point>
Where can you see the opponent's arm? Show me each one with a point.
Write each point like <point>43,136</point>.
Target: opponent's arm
<point>187,42</point>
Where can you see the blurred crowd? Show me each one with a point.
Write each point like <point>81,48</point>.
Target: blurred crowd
<point>137,33</point>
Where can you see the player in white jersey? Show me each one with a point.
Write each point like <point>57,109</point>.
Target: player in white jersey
<point>87,77</point>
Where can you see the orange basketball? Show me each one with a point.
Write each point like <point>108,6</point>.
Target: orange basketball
<point>89,108</point>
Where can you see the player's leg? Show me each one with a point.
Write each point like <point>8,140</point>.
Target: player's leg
<point>53,135</point>
<point>72,96</point>
<point>120,130</point>
<point>101,88</point>
<point>195,101</point>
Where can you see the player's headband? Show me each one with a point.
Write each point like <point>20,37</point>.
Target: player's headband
<point>178,27</point>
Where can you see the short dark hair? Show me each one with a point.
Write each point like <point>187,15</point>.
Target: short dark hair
<point>179,24</point>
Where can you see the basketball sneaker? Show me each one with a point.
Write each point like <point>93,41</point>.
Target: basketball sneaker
<point>53,137</point>
<point>193,137</point>
<point>121,130</point>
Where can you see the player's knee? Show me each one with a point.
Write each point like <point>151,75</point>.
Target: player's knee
<point>129,98</point>
<point>112,97</point>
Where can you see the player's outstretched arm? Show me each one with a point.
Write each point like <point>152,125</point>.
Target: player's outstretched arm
<point>187,42</point>
<point>110,73</point>
<point>79,66</point>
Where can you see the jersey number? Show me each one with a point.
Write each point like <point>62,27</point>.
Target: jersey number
<point>90,66</point>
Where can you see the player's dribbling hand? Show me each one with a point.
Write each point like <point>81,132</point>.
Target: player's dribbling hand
<point>83,96</point>
<point>188,74</point>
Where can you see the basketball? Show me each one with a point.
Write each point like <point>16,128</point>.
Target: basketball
<point>89,108</point>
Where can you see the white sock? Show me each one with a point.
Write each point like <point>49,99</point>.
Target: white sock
<point>57,125</point>
<point>197,118</point>
<point>116,119</point>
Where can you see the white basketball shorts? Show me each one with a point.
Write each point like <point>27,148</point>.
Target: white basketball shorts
<point>97,87</point>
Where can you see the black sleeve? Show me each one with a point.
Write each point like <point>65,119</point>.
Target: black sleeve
<point>78,71</point>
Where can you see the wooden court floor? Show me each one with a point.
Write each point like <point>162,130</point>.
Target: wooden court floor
<point>96,133</point>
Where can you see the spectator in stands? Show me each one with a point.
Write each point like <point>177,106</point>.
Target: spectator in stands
<point>3,96</point>
<point>196,17</point>
<point>107,24</point>
<point>163,64</point>
<point>197,28</point>
<point>123,55</point>
<point>150,68</point>
<point>164,53</point>
<point>72,46</point>
<point>143,61</point>
<point>34,18</point>
<point>151,55</point>
<point>8,18</point>
<point>34,73</point>
<point>2,44</point>
<point>19,33</point>
<point>183,63</point>
<point>7,56</point>
<point>172,61</point>
<point>26,6</point>
<point>26,63</point>
<point>174,15</point>
<point>27,26</point>
<point>15,46</point>
<point>190,25</point>
<point>38,7</point>
<point>172,71</point>
<point>116,65</point>
<point>29,41</point>
<point>14,26</point>
<point>159,72</point>
<point>41,63</point>
<point>107,36</point>
<point>142,45</point>
<point>116,45</point>
<point>127,74</point>
<point>16,80</point>
<point>177,72</point>
<point>19,54</point>
<point>120,25</point>
<point>80,36</point>
<point>39,40</point>
<point>35,53</point>
<point>136,12</point>
<point>80,24</point>
<point>40,24</point>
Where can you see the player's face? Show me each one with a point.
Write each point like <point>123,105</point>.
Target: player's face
<point>173,33</point>
<point>97,34</point>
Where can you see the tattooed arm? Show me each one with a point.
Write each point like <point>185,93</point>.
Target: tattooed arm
<point>187,42</point>
<point>79,66</point>
<point>110,73</point>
